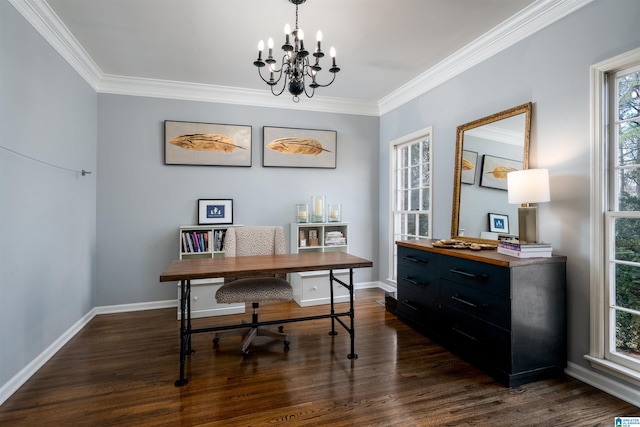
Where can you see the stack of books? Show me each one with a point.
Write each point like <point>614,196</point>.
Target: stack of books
<point>334,238</point>
<point>524,250</point>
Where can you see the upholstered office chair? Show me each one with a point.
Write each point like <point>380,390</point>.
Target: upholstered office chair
<point>246,241</point>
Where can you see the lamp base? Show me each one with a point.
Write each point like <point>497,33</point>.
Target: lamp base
<point>528,224</point>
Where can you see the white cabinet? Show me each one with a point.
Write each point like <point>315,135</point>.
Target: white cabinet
<point>205,241</point>
<point>312,288</point>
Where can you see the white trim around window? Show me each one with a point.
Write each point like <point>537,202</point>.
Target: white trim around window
<point>599,195</point>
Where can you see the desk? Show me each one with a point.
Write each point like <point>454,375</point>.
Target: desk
<point>185,270</point>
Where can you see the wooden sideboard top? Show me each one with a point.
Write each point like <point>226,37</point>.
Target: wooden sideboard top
<point>489,256</point>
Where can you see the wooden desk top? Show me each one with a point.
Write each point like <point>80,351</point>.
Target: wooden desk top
<point>205,268</point>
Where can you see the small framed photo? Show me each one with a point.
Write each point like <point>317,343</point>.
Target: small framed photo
<point>498,223</point>
<point>215,211</point>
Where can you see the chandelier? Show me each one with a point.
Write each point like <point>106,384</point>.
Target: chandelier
<point>296,71</point>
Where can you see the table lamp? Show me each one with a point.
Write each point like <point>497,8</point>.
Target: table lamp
<point>524,187</point>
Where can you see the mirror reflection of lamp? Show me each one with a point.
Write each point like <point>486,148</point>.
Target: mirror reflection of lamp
<point>525,187</point>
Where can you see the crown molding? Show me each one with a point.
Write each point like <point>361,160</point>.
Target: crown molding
<point>228,95</point>
<point>530,20</point>
<point>537,16</point>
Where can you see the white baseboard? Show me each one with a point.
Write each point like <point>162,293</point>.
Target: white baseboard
<point>615,388</point>
<point>125,308</point>
<point>28,371</point>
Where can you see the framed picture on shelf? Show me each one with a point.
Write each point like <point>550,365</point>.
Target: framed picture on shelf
<point>498,223</point>
<point>468,169</point>
<point>495,170</point>
<point>215,211</point>
<point>208,144</point>
<point>299,148</point>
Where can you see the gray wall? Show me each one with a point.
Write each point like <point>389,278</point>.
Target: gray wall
<point>141,201</point>
<point>47,215</point>
<point>550,69</point>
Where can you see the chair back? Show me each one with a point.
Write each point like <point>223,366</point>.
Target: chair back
<point>254,240</point>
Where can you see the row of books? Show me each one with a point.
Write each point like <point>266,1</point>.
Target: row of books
<point>525,250</point>
<point>202,241</point>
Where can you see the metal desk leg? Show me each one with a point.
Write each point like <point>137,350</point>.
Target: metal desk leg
<point>185,338</point>
<point>352,331</point>
<point>333,312</point>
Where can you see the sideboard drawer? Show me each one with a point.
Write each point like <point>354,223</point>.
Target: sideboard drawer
<point>482,341</point>
<point>413,258</point>
<point>478,275</point>
<point>416,301</point>
<point>476,303</point>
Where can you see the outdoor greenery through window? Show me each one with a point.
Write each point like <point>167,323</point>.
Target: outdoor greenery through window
<point>411,188</point>
<point>623,221</point>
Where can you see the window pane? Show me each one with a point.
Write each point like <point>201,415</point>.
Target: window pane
<point>404,200</point>
<point>629,190</point>
<point>403,157</point>
<point>403,182</point>
<point>415,200</point>
<point>628,287</point>
<point>415,177</point>
<point>425,200</point>
<point>629,143</point>
<point>627,245</point>
<point>425,175</point>
<point>415,154</point>
<point>628,334</point>
<point>629,96</point>
<point>423,228</point>
<point>411,224</point>
<point>425,151</point>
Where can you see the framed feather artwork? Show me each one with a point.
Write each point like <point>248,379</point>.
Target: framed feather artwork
<point>187,143</point>
<point>299,148</point>
<point>495,170</point>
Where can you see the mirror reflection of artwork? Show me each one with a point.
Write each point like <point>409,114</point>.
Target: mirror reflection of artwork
<point>468,167</point>
<point>495,170</point>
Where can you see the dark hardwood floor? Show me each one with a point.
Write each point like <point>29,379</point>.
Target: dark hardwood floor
<point>120,370</point>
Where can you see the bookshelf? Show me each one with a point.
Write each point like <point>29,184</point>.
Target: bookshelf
<point>312,288</point>
<point>204,241</point>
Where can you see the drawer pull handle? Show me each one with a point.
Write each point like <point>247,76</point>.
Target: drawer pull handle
<point>482,277</point>
<point>412,307</point>
<point>414,260</point>
<point>464,334</point>
<point>414,282</point>
<point>469,303</point>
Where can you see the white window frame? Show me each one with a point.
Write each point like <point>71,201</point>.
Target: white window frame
<point>393,149</point>
<point>599,356</point>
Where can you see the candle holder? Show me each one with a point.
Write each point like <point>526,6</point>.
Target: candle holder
<point>334,212</point>
<point>302,213</point>
<point>317,209</point>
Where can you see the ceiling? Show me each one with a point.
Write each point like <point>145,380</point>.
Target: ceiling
<point>382,45</point>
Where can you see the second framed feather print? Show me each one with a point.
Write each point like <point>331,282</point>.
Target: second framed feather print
<point>299,148</point>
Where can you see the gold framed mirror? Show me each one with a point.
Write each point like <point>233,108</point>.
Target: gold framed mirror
<point>486,150</point>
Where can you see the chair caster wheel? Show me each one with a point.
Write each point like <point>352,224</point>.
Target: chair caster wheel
<point>216,343</point>
<point>281,329</point>
<point>286,344</point>
<point>245,353</point>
